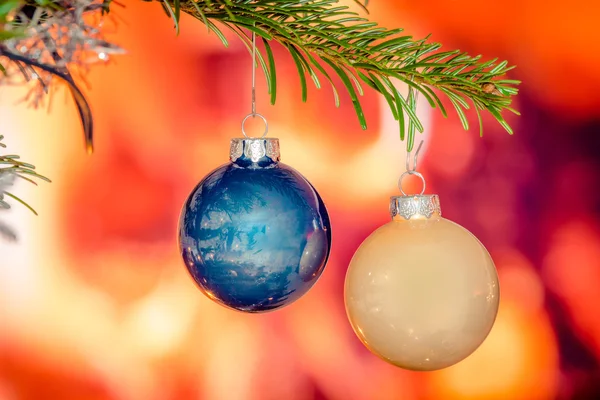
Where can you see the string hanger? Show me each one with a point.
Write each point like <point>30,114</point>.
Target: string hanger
<point>253,73</point>
<point>253,112</point>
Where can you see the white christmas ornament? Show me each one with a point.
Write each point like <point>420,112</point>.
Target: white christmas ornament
<point>421,292</point>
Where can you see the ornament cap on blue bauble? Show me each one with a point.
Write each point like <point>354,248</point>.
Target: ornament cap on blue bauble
<point>248,152</point>
<point>254,234</point>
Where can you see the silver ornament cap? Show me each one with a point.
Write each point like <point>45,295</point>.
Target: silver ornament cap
<point>254,149</point>
<point>415,206</point>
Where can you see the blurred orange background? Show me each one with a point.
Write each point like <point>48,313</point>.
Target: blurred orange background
<point>95,302</point>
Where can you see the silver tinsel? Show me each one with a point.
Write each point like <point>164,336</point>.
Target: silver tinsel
<point>65,40</point>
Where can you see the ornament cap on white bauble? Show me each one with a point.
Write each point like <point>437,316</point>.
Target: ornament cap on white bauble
<point>421,292</point>
<point>415,206</point>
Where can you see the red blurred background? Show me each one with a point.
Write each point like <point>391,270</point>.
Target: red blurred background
<point>95,302</point>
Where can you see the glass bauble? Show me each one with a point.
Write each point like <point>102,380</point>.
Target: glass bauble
<point>254,234</point>
<point>421,292</point>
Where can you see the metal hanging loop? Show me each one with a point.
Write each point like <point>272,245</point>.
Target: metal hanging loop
<point>412,171</point>
<point>415,173</point>
<point>254,114</point>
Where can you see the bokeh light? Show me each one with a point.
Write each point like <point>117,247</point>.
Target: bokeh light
<point>96,304</point>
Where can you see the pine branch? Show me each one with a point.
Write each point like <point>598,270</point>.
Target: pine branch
<point>11,168</point>
<point>43,39</point>
<point>320,35</point>
<point>323,39</point>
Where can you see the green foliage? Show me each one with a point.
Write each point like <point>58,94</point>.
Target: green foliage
<point>6,7</point>
<point>323,36</point>
<point>324,40</point>
<point>10,164</point>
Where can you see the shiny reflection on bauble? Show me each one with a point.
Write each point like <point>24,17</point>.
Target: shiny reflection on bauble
<point>254,234</point>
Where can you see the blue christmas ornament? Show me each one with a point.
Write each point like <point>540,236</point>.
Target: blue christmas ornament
<point>254,234</point>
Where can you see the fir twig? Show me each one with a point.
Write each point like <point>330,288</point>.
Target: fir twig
<point>11,168</point>
<point>320,33</point>
<point>323,38</point>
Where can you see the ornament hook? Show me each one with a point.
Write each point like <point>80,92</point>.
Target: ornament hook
<point>415,173</point>
<point>412,171</point>
<point>254,114</point>
<point>416,158</point>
